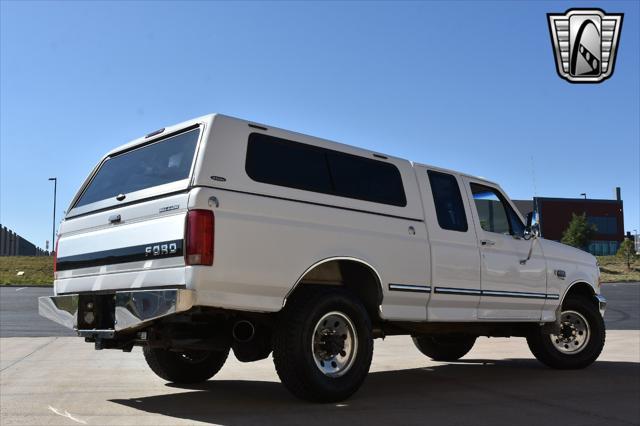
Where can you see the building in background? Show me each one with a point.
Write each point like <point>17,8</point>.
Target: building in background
<point>554,215</point>
<point>12,244</point>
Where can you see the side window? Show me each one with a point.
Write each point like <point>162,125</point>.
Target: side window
<point>280,162</point>
<point>366,179</point>
<point>296,165</point>
<point>517,227</point>
<point>494,213</point>
<point>448,201</point>
<point>491,211</point>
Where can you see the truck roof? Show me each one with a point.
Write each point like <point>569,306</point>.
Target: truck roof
<point>208,118</point>
<point>162,131</point>
<point>450,171</point>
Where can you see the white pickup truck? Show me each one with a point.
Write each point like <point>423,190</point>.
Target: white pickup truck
<point>220,234</point>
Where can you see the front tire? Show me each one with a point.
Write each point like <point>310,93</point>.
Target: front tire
<point>185,367</point>
<point>579,342</point>
<point>323,345</point>
<point>445,347</point>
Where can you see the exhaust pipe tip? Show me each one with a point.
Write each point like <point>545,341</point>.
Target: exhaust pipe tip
<point>243,331</point>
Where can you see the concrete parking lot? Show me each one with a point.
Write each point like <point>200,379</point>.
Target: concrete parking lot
<point>61,380</point>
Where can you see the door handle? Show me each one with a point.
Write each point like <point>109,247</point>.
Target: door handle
<point>487,243</point>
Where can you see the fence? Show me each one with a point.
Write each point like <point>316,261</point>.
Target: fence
<point>12,244</point>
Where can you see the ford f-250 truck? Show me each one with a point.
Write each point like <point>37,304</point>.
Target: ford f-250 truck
<point>220,234</point>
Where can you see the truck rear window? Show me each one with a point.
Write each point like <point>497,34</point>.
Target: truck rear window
<point>162,162</point>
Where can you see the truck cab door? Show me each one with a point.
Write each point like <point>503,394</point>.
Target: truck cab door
<point>510,289</point>
<point>455,257</point>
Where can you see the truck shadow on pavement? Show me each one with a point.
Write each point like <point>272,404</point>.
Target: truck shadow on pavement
<point>473,392</point>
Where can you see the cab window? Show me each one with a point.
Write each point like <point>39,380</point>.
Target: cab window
<point>448,201</point>
<point>494,214</point>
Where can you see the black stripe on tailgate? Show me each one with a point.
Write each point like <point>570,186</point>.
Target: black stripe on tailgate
<point>121,255</point>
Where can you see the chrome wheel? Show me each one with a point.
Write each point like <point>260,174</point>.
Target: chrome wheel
<point>334,344</point>
<point>574,333</point>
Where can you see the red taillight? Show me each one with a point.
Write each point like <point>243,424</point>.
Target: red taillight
<point>55,258</point>
<point>199,237</point>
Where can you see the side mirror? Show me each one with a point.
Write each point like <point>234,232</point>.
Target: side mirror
<point>535,229</point>
<point>532,230</point>
<point>529,219</point>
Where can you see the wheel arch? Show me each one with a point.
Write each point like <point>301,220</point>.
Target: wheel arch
<point>579,288</point>
<point>355,274</point>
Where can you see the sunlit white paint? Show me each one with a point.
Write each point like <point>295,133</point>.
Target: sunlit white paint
<point>267,237</point>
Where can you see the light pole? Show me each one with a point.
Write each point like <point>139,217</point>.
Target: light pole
<point>584,194</point>
<point>53,230</point>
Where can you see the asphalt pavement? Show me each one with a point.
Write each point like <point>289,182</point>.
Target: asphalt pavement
<point>19,313</point>
<point>623,306</point>
<point>60,380</point>
<point>64,381</point>
<point>19,310</point>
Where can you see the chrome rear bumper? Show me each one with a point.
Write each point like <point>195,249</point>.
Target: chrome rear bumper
<point>131,309</point>
<point>602,304</point>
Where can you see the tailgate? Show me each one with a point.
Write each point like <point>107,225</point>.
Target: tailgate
<point>143,248</point>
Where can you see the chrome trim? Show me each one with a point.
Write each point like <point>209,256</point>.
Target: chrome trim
<point>495,293</point>
<point>136,307</point>
<point>602,303</point>
<point>410,287</point>
<point>498,293</point>
<point>461,291</point>
<point>570,286</point>
<point>60,309</point>
<point>329,259</point>
<point>132,308</point>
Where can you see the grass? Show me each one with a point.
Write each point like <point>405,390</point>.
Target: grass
<point>39,270</point>
<point>614,269</point>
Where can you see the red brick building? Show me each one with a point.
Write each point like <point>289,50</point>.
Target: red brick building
<point>554,215</point>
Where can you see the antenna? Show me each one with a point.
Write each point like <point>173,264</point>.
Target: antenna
<point>533,178</point>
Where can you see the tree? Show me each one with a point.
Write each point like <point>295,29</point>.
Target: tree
<point>627,252</point>
<point>579,232</point>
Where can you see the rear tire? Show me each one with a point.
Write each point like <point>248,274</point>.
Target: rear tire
<point>579,343</point>
<point>323,345</point>
<point>185,367</point>
<point>445,347</point>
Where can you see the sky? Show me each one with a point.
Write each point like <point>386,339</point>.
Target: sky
<point>470,86</point>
